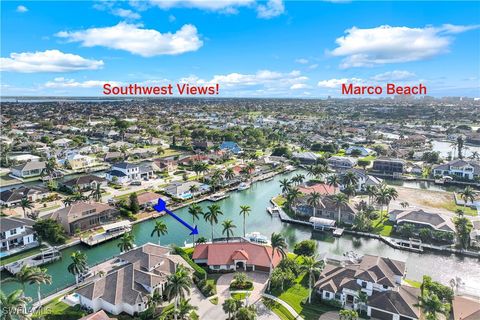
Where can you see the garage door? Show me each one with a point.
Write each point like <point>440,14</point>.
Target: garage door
<point>381,315</point>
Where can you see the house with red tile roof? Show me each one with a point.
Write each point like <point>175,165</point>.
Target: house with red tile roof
<point>321,188</point>
<point>236,256</point>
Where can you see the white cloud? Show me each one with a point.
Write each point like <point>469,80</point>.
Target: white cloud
<point>313,66</point>
<point>22,9</point>
<point>386,44</point>
<point>271,9</point>
<point>336,83</point>
<point>125,13</point>
<point>265,9</point>
<point>136,40</point>
<point>297,86</point>
<point>395,75</point>
<point>47,61</point>
<point>212,5</point>
<point>301,61</point>
<point>72,83</point>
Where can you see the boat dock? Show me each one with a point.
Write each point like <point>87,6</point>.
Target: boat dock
<point>274,211</point>
<point>111,231</point>
<point>46,256</point>
<point>338,232</point>
<point>218,196</point>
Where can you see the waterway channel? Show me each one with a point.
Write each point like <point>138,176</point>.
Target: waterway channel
<point>440,267</point>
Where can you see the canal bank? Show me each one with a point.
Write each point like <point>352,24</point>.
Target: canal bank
<point>440,267</point>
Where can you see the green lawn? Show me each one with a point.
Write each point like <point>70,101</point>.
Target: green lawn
<point>50,208</point>
<point>297,297</point>
<point>239,295</point>
<point>278,309</point>
<point>279,200</point>
<point>413,283</point>
<point>21,255</point>
<point>126,196</point>
<point>452,206</point>
<point>368,158</point>
<point>382,226</point>
<point>58,310</point>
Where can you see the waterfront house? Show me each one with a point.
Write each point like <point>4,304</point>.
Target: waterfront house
<point>460,168</point>
<point>78,161</point>
<point>231,146</point>
<point>321,188</point>
<point>100,315</point>
<point>13,197</point>
<point>82,216</point>
<point>84,183</point>
<point>28,169</point>
<point>127,288</point>
<point>182,190</point>
<point>169,165</point>
<point>246,256</point>
<point>326,209</point>
<point>148,199</point>
<point>16,235</point>
<point>113,156</point>
<point>389,166</point>
<point>363,179</point>
<point>125,172</point>
<point>62,143</point>
<point>422,219</point>
<point>379,278</point>
<point>336,162</point>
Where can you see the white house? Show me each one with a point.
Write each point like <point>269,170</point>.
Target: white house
<point>464,169</point>
<point>342,162</point>
<point>127,172</point>
<point>16,235</point>
<point>364,180</point>
<point>363,151</point>
<point>28,169</point>
<point>62,143</point>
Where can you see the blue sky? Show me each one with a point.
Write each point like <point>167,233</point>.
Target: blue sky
<point>252,48</point>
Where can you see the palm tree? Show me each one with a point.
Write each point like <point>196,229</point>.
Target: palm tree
<point>392,195</point>
<point>195,211</point>
<point>14,305</point>
<point>193,189</point>
<point>404,204</point>
<point>39,277</point>
<point>160,229</point>
<point>230,307</point>
<point>229,174</point>
<point>314,201</point>
<point>228,227</point>
<point>178,285</point>
<point>292,196</point>
<point>25,203</point>
<point>313,267</point>
<point>349,179</point>
<point>67,201</point>
<point>212,215</point>
<point>244,211</point>
<point>431,306</point>
<point>279,245</point>
<point>126,242</point>
<point>467,195</point>
<point>184,309</point>
<point>382,197</point>
<point>300,178</point>
<point>340,200</point>
<point>285,184</point>
<point>24,276</point>
<point>371,192</point>
<point>333,181</point>
<point>246,313</point>
<point>96,193</point>
<point>78,265</point>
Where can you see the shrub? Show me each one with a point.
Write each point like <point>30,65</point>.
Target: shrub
<point>199,271</point>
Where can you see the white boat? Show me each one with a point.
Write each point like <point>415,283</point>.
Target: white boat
<point>218,196</point>
<point>243,186</point>
<point>257,237</point>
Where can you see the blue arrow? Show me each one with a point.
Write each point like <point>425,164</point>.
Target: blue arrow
<point>162,206</point>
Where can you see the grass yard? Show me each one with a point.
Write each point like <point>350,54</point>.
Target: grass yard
<point>279,200</point>
<point>239,295</point>
<point>214,300</point>
<point>50,208</point>
<point>57,309</point>
<point>413,283</point>
<point>452,206</point>
<point>278,309</point>
<point>368,158</point>
<point>125,196</point>
<point>21,255</point>
<point>297,297</point>
<point>382,227</point>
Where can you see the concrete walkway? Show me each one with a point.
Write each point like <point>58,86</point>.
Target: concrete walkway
<point>283,303</point>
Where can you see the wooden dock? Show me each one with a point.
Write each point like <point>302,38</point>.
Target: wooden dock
<point>111,231</point>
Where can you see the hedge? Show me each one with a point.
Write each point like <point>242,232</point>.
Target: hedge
<point>199,271</point>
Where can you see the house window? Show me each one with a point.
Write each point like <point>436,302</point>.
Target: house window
<point>13,231</point>
<point>327,294</point>
<point>385,286</point>
<point>364,284</point>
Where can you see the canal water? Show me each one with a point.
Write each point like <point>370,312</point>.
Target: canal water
<point>440,267</point>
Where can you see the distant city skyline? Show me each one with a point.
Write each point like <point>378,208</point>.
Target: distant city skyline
<point>258,49</point>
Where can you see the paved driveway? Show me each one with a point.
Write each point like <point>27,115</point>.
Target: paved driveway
<point>259,282</point>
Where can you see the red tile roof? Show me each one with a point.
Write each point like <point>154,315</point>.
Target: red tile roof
<point>225,253</point>
<point>321,188</point>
